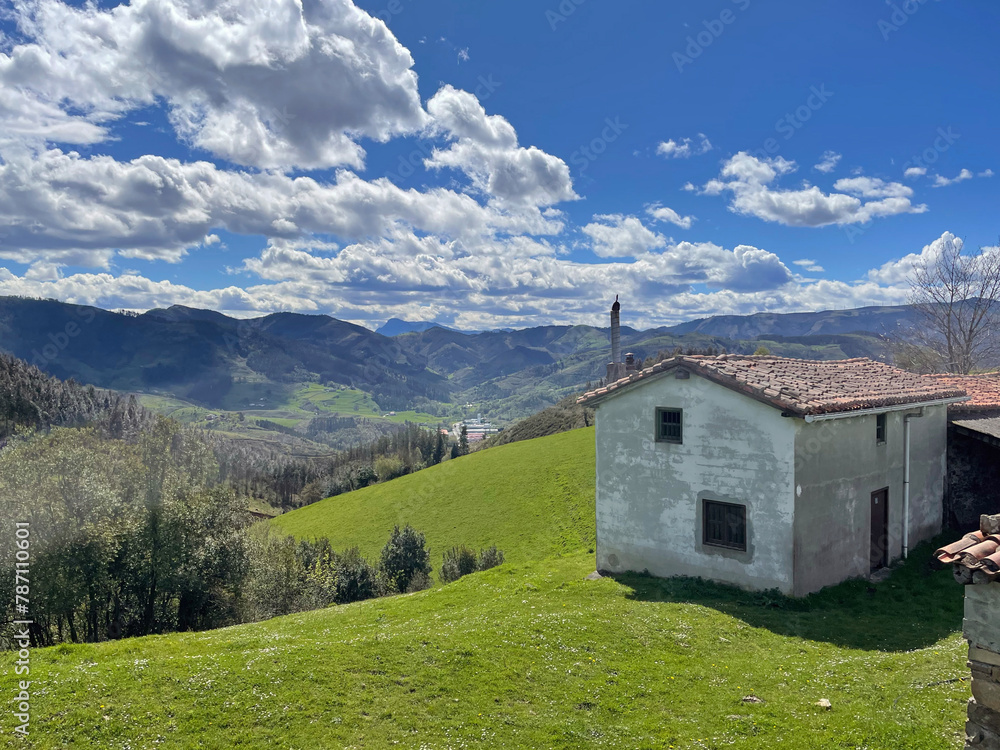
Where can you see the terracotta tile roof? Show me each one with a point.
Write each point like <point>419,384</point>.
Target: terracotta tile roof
<point>799,386</point>
<point>976,556</point>
<point>983,390</point>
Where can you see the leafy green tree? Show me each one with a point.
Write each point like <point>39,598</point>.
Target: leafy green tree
<point>357,579</point>
<point>365,476</point>
<point>311,493</point>
<point>275,577</point>
<point>463,442</point>
<point>403,557</point>
<point>762,350</point>
<point>389,467</point>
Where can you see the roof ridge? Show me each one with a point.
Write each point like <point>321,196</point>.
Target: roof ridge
<point>774,357</point>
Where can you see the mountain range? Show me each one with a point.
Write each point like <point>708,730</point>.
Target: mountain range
<point>220,362</point>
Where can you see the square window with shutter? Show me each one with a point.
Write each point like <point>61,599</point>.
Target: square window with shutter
<point>669,426</point>
<point>725,525</point>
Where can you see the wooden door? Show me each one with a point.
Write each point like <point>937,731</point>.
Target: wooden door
<point>880,529</point>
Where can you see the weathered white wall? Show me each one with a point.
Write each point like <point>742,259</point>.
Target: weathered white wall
<point>649,494</point>
<point>838,467</point>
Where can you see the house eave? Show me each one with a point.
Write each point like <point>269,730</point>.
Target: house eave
<point>880,409</point>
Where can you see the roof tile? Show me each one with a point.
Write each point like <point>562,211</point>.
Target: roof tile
<point>976,556</point>
<point>983,390</point>
<point>806,387</point>
<point>950,552</point>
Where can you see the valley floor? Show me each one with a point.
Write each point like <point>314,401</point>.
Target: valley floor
<point>533,655</point>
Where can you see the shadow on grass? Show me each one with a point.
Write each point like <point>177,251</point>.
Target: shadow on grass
<point>918,605</point>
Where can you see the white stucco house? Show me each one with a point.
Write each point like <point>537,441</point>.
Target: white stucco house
<point>767,472</point>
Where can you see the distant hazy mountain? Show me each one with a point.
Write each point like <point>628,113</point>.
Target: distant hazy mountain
<point>396,326</point>
<point>873,320</point>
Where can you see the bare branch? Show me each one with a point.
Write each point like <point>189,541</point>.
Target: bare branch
<point>955,296</point>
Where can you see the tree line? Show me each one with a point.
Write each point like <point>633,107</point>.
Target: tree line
<point>29,398</point>
<point>142,536</point>
<point>284,481</point>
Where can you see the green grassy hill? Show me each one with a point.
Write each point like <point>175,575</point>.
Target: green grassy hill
<point>533,499</point>
<point>530,654</point>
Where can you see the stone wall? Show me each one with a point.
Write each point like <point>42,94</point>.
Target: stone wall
<point>973,480</point>
<point>982,629</point>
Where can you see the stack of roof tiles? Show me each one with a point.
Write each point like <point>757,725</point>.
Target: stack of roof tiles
<point>803,387</point>
<point>976,557</point>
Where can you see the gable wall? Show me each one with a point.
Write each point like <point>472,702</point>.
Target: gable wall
<point>649,494</point>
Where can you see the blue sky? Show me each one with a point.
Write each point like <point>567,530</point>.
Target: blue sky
<point>493,163</point>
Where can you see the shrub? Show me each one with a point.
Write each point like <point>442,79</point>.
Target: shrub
<point>389,467</point>
<point>320,586</point>
<point>311,493</point>
<point>458,562</point>
<point>357,578</point>
<point>489,558</point>
<point>403,557</point>
<point>419,582</point>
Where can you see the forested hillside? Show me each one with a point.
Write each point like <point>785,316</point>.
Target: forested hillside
<point>30,398</point>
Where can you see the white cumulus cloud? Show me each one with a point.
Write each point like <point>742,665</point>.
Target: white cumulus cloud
<point>750,180</point>
<point>941,181</point>
<point>684,148</point>
<point>617,236</point>
<point>809,265</point>
<point>485,148</point>
<point>264,83</point>
<point>664,213</point>
<point>897,272</point>
<point>827,162</point>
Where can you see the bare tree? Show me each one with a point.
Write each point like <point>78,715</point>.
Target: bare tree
<point>955,297</point>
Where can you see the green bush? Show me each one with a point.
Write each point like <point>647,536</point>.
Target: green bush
<point>389,467</point>
<point>357,578</point>
<point>489,558</point>
<point>403,557</point>
<point>458,562</point>
<point>419,582</point>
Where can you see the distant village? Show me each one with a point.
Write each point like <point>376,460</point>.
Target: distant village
<point>475,429</point>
